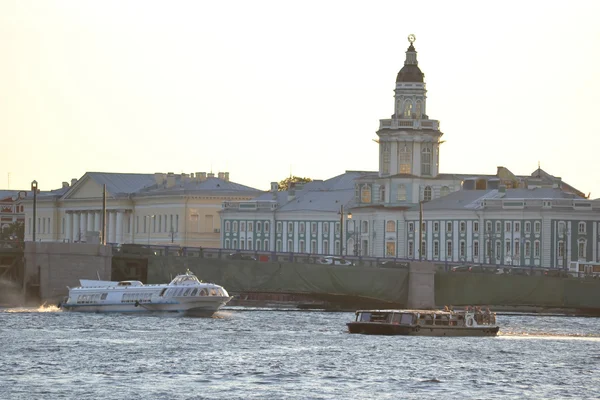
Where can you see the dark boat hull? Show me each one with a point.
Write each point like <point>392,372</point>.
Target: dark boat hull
<point>373,328</point>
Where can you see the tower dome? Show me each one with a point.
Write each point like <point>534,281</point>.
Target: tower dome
<point>411,71</point>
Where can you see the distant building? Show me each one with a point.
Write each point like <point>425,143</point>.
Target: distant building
<point>169,209</point>
<point>11,210</point>
<point>498,218</point>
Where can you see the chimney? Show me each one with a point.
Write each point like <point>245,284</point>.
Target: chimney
<point>73,181</point>
<point>65,184</point>
<point>274,190</point>
<point>200,176</point>
<point>159,178</point>
<point>210,175</point>
<point>292,191</point>
<point>226,176</point>
<point>170,179</point>
<point>221,175</point>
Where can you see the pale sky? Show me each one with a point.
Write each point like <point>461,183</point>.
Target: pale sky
<point>264,88</point>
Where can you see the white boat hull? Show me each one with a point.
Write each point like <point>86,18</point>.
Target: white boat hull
<point>197,307</point>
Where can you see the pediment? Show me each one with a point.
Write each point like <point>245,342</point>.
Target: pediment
<point>86,188</point>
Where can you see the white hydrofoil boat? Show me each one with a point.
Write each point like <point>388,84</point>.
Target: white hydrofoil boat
<point>185,294</point>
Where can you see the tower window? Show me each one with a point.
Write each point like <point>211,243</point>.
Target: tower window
<point>426,161</point>
<point>405,160</point>
<point>401,194</point>
<point>427,193</point>
<point>407,109</point>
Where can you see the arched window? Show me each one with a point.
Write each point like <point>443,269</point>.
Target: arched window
<point>258,245</point>
<point>404,160</point>
<point>235,226</point>
<point>290,246</point>
<point>444,191</point>
<point>365,194</point>
<point>267,245</point>
<point>426,161</point>
<point>365,227</point>
<point>407,109</point>
<point>401,194</point>
<point>226,243</point>
<point>390,226</point>
<point>234,244</point>
<point>427,193</point>
<point>325,247</point>
<point>278,245</point>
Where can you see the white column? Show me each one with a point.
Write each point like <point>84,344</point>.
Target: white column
<point>119,230</point>
<point>112,236</point>
<point>83,222</point>
<point>90,221</point>
<point>97,221</point>
<point>69,226</point>
<point>76,227</point>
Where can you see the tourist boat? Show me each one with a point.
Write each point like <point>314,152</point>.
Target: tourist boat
<point>424,323</point>
<point>185,294</point>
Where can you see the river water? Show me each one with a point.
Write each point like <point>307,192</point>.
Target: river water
<point>258,353</point>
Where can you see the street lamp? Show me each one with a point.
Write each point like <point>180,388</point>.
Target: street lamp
<point>34,189</point>
<point>341,213</point>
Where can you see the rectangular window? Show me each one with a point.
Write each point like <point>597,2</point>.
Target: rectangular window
<point>517,226</point>
<point>449,249</point>
<point>581,227</point>
<point>462,248</point>
<point>313,246</point>
<point>488,226</point>
<point>561,249</point>
<point>242,227</point>
<point>313,227</point>
<point>448,227</point>
<point>267,226</point>
<point>537,227</point>
<point>498,250</point>
<point>279,227</point>
<point>411,227</point>
<point>436,248</point>
<point>325,247</point>
<point>278,246</point>
<point>507,226</point>
<point>475,249</point>
<point>517,247</point>
<point>302,247</point>
<point>249,244</point>
<point>337,227</point>
<point>463,226</point>
<point>325,227</point>
<point>507,248</point>
<point>176,222</point>
<point>390,249</point>
<point>250,226</point>
<point>436,227</point>
<point>527,249</point>
<point>498,226</point>
<point>290,227</point>
<point>410,248</point>
<point>475,226</point>
<point>290,246</point>
<point>258,226</point>
<point>536,249</point>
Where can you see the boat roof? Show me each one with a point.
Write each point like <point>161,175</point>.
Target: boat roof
<point>436,312</point>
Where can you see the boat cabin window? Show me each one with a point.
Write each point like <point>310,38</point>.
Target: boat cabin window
<point>124,284</point>
<point>365,317</point>
<point>442,320</point>
<point>406,319</point>
<point>380,317</point>
<point>162,292</point>
<point>103,297</point>
<point>396,318</point>
<point>426,319</point>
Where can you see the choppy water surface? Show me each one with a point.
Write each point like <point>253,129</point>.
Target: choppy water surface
<point>242,354</point>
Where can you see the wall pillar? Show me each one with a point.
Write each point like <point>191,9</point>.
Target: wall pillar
<point>69,226</point>
<point>421,285</point>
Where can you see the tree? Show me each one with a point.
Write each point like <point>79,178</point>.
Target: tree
<point>285,184</point>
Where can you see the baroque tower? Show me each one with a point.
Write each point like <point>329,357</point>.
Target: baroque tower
<point>409,141</point>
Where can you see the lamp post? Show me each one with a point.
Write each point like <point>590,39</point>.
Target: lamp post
<point>342,228</point>
<point>34,189</point>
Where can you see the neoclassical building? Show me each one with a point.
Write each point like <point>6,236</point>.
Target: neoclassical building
<point>500,218</point>
<point>160,208</point>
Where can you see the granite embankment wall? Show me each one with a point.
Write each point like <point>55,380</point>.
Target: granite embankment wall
<point>58,265</point>
<point>510,290</point>
<point>388,285</point>
<point>54,266</point>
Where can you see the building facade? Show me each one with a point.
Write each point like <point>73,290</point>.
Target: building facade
<point>165,209</point>
<point>500,218</point>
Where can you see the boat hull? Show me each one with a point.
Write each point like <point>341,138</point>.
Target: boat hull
<point>201,307</point>
<point>373,328</point>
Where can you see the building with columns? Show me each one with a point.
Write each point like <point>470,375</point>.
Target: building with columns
<point>169,209</point>
<point>499,218</point>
